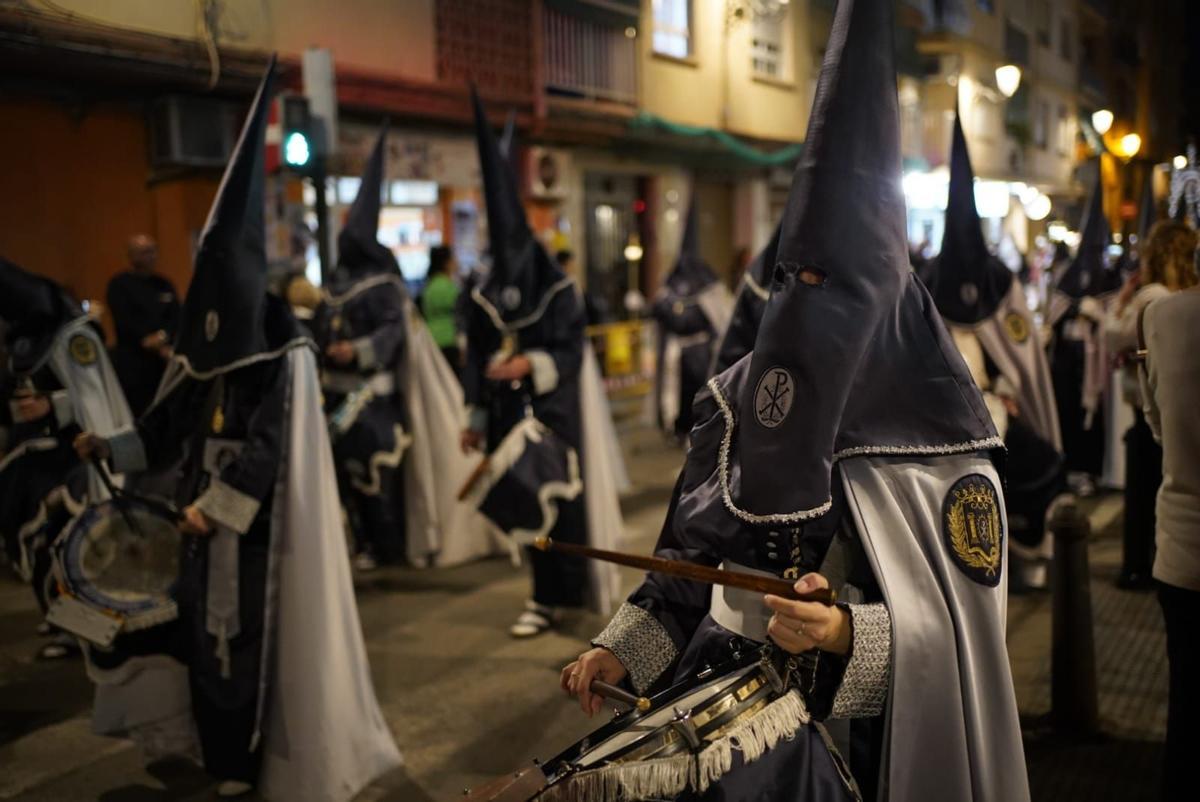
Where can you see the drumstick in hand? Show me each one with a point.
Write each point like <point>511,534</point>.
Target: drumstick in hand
<point>697,573</point>
<point>640,703</point>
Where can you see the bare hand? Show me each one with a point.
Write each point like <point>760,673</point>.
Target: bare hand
<point>341,352</point>
<point>91,446</point>
<point>32,407</point>
<point>155,340</point>
<point>514,368</point>
<point>576,679</point>
<point>1129,288</point>
<point>194,522</point>
<point>470,440</point>
<point>799,626</point>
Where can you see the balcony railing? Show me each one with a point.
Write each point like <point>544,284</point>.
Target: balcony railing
<point>588,59</point>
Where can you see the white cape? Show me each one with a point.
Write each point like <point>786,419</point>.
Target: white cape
<point>439,526</point>
<point>324,735</point>
<point>602,476</point>
<point>952,727</point>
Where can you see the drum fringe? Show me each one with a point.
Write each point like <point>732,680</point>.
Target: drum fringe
<point>778,721</point>
<point>669,777</point>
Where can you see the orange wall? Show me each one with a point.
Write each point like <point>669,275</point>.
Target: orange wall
<point>74,188</point>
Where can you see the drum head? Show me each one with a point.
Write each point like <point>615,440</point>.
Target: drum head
<point>122,569</point>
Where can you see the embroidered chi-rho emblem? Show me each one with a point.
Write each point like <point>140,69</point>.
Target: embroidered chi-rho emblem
<point>82,349</point>
<point>773,397</point>
<point>973,529</point>
<point>1017,327</point>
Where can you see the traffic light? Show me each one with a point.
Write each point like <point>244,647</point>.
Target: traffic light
<point>296,123</point>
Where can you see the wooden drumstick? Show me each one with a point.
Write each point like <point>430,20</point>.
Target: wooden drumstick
<point>612,692</point>
<point>697,573</point>
<point>475,476</point>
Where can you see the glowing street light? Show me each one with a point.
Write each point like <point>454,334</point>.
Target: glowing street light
<point>1180,162</point>
<point>1130,145</point>
<point>633,249</point>
<point>1102,120</point>
<point>1038,207</point>
<point>1008,79</point>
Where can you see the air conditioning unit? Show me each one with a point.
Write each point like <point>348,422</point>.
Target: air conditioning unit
<point>189,131</point>
<point>548,169</point>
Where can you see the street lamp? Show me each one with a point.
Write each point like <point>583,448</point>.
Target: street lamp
<point>1180,162</point>
<point>1038,207</point>
<point>1008,79</point>
<point>1130,145</point>
<point>1102,120</point>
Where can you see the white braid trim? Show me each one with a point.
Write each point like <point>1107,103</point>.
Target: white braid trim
<point>529,319</point>
<point>382,459</point>
<point>755,287</point>
<point>185,364</point>
<point>846,453</point>
<point>359,287</point>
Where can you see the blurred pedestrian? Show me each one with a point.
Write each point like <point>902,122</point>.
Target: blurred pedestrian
<point>1166,268</point>
<point>439,302</point>
<point>1171,389</point>
<point>361,329</point>
<point>145,311</point>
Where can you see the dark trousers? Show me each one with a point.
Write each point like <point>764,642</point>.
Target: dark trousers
<point>560,580</point>
<point>452,355</point>
<point>1181,611</point>
<point>1143,475</point>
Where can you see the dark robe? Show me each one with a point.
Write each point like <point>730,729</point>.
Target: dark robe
<point>1083,446</point>
<point>141,304</point>
<point>371,485</point>
<point>246,407</point>
<point>558,581</point>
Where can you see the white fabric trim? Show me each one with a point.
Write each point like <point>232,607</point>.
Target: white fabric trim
<point>185,365</point>
<point>846,453</point>
<point>381,383</point>
<point>742,612</point>
<point>544,373</point>
<point>373,485</point>
<point>64,413</point>
<point>32,444</point>
<point>754,287</point>
<point>359,287</point>
<point>529,319</point>
<point>364,352</point>
<point>228,506</point>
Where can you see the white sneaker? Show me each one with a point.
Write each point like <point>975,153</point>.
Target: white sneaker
<point>534,621</point>
<point>231,788</point>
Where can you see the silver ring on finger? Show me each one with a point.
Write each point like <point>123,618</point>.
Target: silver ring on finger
<point>801,631</point>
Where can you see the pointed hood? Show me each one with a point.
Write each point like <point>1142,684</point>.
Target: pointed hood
<point>690,273</point>
<point>34,308</point>
<point>738,338</point>
<point>1089,273</point>
<point>359,249</point>
<point>852,357</point>
<point>967,283</point>
<point>522,272</point>
<point>224,313</point>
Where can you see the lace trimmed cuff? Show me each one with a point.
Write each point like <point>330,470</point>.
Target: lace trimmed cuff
<point>640,643</point>
<point>128,451</point>
<point>228,506</point>
<point>864,688</point>
<point>364,352</point>
<point>544,371</point>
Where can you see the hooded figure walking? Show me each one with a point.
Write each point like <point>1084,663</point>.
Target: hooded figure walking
<point>360,327</point>
<point>525,350</point>
<point>985,311</point>
<point>1078,357</point>
<point>281,691</point>
<point>692,309</point>
<point>849,449</point>
<point>58,381</point>
<point>737,339</point>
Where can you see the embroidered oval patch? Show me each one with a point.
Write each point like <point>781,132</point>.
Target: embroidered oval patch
<point>212,324</point>
<point>968,292</point>
<point>82,349</point>
<point>973,528</point>
<point>1017,327</point>
<point>773,397</point>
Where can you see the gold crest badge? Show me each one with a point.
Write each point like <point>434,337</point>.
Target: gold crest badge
<point>974,529</point>
<point>82,349</point>
<point>1017,327</point>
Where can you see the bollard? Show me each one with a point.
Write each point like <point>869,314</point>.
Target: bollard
<point>1073,694</point>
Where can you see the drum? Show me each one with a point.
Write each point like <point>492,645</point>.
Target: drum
<point>518,486</point>
<point>685,739</point>
<point>116,564</point>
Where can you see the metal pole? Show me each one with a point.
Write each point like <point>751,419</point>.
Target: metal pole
<point>1073,693</point>
<point>318,178</point>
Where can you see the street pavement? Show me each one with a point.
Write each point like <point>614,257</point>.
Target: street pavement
<point>467,703</point>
